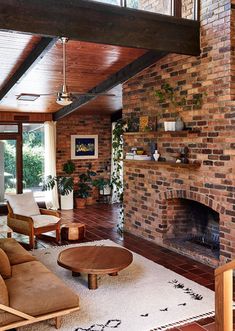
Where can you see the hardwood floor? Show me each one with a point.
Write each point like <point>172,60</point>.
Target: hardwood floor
<point>101,223</point>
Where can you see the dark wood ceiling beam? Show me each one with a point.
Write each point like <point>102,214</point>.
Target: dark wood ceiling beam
<point>118,78</point>
<point>101,23</point>
<point>32,59</point>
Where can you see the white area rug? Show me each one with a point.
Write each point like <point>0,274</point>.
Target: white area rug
<point>143,297</point>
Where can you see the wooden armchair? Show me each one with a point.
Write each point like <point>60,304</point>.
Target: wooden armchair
<point>26,225</point>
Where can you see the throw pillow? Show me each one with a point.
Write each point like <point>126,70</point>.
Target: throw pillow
<point>5,267</point>
<point>4,299</point>
<point>23,204</point>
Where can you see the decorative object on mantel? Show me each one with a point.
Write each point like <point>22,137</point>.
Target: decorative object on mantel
<point>184,155</point>
<point>144,122</point>
<point>133,124</point>
<point>153,147</point>
<point>179,124</point>
<point>156,155</point>
<point>169,125</point>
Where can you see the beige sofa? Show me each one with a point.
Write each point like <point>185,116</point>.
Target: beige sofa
<point>31,293</point>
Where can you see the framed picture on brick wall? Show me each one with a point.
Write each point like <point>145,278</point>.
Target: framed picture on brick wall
<point>84,147</point>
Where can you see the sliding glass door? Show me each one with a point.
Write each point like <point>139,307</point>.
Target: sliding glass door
<point>21,159</point>
<point>33,159</point>
<point>8,168</point>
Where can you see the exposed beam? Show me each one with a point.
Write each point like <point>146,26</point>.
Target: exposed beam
<point>101,23</point>
<point>32,59</point>
<point>118,78</point>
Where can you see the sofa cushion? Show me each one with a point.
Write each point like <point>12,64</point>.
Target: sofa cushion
<point>44,220</point>
<point>35,290</point>
<point>5,267</point>
<point>23,204</point>
<point>15,252</point>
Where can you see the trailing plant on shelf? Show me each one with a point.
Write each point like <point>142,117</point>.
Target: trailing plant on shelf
<point>117,175</point>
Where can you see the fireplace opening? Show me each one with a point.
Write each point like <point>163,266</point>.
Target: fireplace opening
<point>193,230</point>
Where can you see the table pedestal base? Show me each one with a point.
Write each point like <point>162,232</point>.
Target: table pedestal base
<point>92,282</point>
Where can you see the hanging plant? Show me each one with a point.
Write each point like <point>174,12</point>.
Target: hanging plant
<point>117,175</point>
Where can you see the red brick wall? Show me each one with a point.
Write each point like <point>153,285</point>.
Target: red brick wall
<point>212,76</point>
<point>82,124</point>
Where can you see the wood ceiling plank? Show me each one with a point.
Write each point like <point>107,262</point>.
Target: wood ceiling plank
<point>88,64</point>
<point>119,77</point>
<point>101,23</point>
<point>32,59</point>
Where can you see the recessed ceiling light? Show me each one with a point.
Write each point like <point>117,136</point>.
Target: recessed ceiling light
<point>27,97</point>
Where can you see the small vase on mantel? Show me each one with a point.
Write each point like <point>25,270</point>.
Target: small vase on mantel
<point>179,124</point>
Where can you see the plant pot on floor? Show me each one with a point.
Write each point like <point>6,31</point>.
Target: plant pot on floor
<point>89,201</point>
<point>66,201</point>
<point>80,203</point>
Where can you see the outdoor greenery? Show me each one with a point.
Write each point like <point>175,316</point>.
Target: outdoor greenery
<point>33,159</point>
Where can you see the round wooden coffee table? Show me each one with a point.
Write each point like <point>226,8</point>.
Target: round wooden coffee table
<point>95,260</point>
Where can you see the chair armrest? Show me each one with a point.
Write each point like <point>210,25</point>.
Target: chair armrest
<point>49,212</point>
<point>22,218</point>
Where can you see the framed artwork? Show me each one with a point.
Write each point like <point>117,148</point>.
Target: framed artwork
<point>84,147</point>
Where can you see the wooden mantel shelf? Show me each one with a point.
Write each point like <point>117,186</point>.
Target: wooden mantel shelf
<point>157,164</point>
<point>161,133</point>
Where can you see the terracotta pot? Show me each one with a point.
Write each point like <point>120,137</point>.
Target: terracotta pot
<point>80,203</point>
<point>89,201</point>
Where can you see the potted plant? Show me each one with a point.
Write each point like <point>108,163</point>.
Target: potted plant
<point>104,187</point>
<point>65,185</point>
<point>81,194</point>
<point>87,178</point>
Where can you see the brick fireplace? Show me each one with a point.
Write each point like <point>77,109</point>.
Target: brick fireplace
<point>160,196</point>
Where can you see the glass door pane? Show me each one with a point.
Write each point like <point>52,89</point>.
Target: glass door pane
<point>7,168</point>
<point>33,159</point>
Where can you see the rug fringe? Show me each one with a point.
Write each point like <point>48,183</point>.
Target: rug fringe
<point>183,322</point>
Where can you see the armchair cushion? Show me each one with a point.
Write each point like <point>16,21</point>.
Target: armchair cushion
<point>44,220</point>
<point>4,299</point>
<point>23,204</point>
<point>5,267</point>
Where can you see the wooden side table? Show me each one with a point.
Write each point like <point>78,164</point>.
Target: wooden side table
<point>6,230</point>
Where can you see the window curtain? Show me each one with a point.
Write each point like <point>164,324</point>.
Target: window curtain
<point>51,197</point>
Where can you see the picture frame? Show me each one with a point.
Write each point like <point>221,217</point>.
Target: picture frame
<point>84,147</point>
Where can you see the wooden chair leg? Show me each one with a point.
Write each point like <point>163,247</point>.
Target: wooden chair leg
<point>58,322</point>
<point>58,235</point>
<point>31,241</point>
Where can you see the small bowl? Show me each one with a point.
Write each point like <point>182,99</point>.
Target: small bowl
<point>139,152</point>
